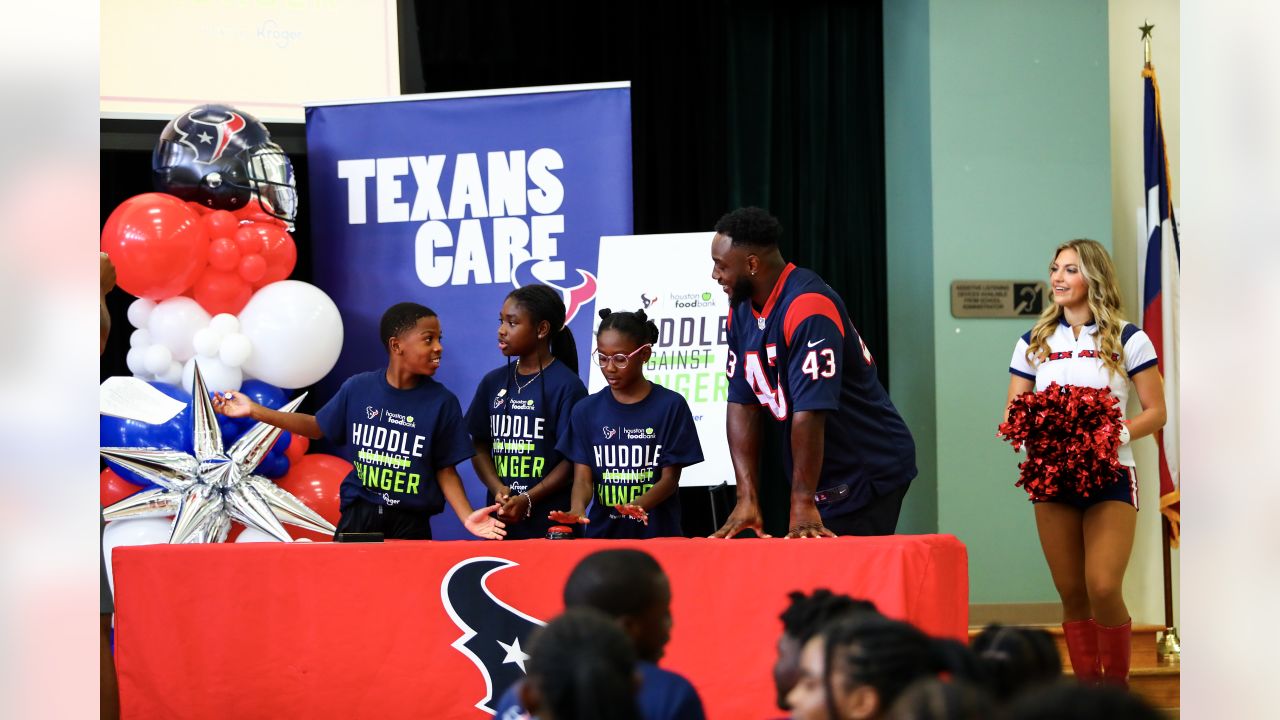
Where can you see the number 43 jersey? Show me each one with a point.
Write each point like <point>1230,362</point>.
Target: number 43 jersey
<point>800,352</point>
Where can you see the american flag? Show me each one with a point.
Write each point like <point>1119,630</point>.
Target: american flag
<point>1161,255</point>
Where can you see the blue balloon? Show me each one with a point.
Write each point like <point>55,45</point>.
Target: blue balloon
<point>265,394</point>
<point>175,434</point>
<point>273,466</point>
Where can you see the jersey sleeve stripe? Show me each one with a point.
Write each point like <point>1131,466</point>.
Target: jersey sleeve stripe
<point>1127,332</point>
<point>1144,366</point>
<point>1019,373</point>
<point>806,306</point>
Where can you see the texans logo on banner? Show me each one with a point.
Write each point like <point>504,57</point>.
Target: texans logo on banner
<point>574,297</point>
<point>494,634</point>
<point>208,131</point>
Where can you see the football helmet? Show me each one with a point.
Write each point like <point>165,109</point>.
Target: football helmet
<point>224,159</point>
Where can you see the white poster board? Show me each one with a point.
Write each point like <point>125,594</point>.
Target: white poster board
<point>669,276</point>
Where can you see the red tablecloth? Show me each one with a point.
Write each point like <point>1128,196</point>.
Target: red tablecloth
<point>361,631</point>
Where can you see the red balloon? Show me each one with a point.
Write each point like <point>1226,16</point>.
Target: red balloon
<point>158,244</point>
<point>316,480</point>
<point>114,488</point>
<point>253,268</point>
<point>274,244</point>
<point>224,254</point>
<point>222,292</point>
<point>248,240</point>
<point>221,224</point>
<point>297,448</point>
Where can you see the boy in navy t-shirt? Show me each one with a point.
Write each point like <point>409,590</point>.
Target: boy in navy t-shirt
<point>629,441</point>
<point>401,430</point>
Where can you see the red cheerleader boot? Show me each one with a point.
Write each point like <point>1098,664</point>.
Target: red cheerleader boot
<point>1082,648</point>
<point>1113,650</point>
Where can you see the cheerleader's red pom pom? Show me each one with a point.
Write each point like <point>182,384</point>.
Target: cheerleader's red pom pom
<point>1072,438</point>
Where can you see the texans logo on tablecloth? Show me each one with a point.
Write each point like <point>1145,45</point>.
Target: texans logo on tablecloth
<point>494,634</point>
<point>208,131</point>
<point>532,272</point>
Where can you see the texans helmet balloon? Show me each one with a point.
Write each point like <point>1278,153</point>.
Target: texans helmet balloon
<point>224,159</point>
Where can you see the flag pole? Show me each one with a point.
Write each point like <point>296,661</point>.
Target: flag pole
<point>1169,648</point>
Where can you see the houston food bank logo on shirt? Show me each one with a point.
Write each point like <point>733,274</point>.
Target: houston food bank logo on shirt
<point>499,225</point>
<point>637,433</point>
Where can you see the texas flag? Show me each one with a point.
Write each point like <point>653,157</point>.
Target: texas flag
<point>1160,256</point>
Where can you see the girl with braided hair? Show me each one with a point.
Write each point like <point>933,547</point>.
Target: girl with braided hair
<point>629,441</point>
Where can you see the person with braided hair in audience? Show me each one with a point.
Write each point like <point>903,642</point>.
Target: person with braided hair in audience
<point>1014,659</point>
<point>581,667</point>
<point>629,441</point>
<point>804,618</point>
<point>857,667</point>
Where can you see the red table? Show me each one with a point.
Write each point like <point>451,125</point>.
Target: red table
<point>354,631</point>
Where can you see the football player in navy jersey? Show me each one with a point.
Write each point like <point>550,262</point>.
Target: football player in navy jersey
<point>629,441</point>
<point>795,356</point>
<point>521,409</point>
<point>1082,339</point>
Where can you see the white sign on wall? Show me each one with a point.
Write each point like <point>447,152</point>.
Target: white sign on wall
<point>669,277</point>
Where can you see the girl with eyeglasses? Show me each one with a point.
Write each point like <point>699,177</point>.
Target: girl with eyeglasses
<point>521,410</point>
<point>629,441</point>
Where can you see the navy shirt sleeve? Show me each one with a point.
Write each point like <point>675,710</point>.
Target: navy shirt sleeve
<point>574,444</point>
<point>572,394</point>
<point>451,444</point>
<point>815,360</point>
<point>478,412</point>
<point>682,445</point>
<point>739,389</point>
<point>332,418</point>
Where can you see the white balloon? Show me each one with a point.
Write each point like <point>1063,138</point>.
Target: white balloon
<point>136,360</point>
<point>225,323</point>
<point>295,331</point>
<point>173,375</point>
<point>140,338</point>
<point>140,311</point>
<point>217,377</point>
<point>235,349</point>
<point>174,322</point>
<point>156,359</point>
<point>206,342</point>
<point>134,531</point>
<point>253,535</point>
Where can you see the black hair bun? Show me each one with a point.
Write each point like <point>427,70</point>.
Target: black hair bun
<point>604,313</point>
<point>641,316</point>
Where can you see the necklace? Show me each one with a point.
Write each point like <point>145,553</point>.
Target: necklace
<point>520,388</point>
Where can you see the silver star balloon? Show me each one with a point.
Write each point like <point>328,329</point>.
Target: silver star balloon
<point>204,492</point>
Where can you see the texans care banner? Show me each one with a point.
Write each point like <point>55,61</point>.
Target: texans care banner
<point>440,629</point>
<point>669,277</point>
<point>451,201</point>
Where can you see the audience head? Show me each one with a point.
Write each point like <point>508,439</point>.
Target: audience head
<point>858,666</point>
<point>581,667</point>
<point>938,699</point>
<point>630,587</point>
<point>1014,659</point>
<point>802,619</point>
<point>1066,700</point>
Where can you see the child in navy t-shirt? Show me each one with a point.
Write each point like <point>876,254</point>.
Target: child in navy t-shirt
<point>521,409</point>
<point>401,430</point>
<point>629,441</point>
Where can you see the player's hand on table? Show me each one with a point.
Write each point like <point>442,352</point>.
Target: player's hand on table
<point>232,404</point>
<point>807,523</point>
<point>743,518</point>
<point>483,524</point>
<point>568,518</point>
<point>635,512</point>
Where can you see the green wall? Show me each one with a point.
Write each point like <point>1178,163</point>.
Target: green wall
<point>997,149</point>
